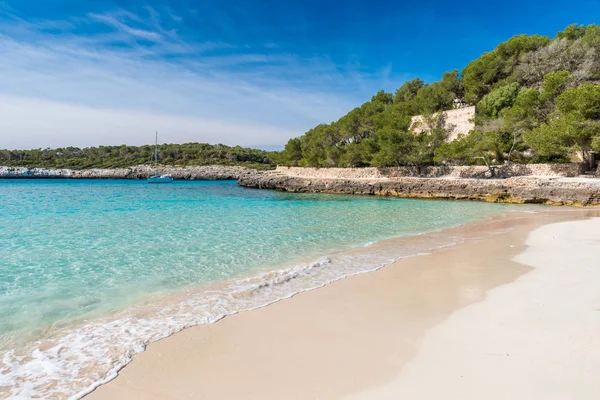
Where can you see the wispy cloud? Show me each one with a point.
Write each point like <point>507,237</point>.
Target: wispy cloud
<point>109,77</point>
<point>174,16</point>
<point>112,21</point>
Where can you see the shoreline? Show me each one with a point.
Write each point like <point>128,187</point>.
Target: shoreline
<point>536,338</point>
<point>138,172</point>
<point>548,184</point>
<point>160,371</point>
<point>547,190</point>
<point>106,351</point>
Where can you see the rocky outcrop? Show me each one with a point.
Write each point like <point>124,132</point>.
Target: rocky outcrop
<point>206,172</point>
<point>543,183</point>
<point>555,191</point>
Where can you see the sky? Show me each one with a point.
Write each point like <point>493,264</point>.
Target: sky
<point>246,72</point>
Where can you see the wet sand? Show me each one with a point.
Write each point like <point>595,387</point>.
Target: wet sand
<point>376,335</point>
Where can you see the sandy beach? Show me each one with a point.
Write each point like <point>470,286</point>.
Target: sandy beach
<point>513,312</point>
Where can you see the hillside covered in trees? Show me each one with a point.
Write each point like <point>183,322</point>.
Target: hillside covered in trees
<point>127,156</point>
<point>538,100</point>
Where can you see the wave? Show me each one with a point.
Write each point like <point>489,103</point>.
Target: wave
<point>73,361</point>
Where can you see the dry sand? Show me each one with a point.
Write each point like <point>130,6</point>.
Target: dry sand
<point>537,338</point>
<point>491,318</point>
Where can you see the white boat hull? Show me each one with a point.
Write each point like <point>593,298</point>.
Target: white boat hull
<point>160,179</point>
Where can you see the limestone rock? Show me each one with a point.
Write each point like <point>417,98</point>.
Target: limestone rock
<point>205,172</point>
<point>538,190</point>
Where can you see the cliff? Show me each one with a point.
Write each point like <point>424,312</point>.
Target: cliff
<point>206,172</point>
<point>554,190</point>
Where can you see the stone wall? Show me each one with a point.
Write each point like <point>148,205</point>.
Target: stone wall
<point>455,122</point>
<point>505,171</point>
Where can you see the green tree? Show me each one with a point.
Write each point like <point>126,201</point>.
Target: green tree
<point>480,76</point>
<point>563,135</point>
<point>128,156</point>
<point>499,100</point>
<point>408,90</point>
<point>572,32</point>
<point>355,155</point>
<point>575,126</point>
<point>591,38</point>
<point>292,153</point>
<point>382,97</point>
<point>433,98</point>
<point>478,145</point>
<point>584,101</point>
<point>452,83</point>
<point>314,151</point>
<point>555,83</point>
<point>395,148</point>
<point>528,87</point>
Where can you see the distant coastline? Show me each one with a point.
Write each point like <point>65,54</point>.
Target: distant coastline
<point>205,172</point>
<point>551,184</point>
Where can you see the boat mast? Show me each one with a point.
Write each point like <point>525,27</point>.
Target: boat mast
<point>156,155</point>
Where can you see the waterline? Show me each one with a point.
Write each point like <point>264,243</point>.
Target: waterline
<point>97,270</point>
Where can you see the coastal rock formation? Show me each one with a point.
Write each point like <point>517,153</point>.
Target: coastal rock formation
<point>539,190</point>
<point>537,183</point>
<point>205,172</point>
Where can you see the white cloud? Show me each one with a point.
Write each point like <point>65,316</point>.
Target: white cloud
<point>73,89</point>
<point>174,16</point>
<point>107,19</point>
<point>35,123</point>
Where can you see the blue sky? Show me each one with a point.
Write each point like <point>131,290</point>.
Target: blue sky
<point>253,72</point>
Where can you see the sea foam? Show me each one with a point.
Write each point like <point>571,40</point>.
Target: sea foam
<point>75,360</point>
<point>93,271</point>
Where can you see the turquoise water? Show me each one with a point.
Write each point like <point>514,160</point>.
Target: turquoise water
<point>75,251</point>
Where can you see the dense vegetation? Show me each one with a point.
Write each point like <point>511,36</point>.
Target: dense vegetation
<point>127,156</point>
<point>538,100</point>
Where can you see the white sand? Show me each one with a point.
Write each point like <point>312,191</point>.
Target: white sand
<point>535,338</point>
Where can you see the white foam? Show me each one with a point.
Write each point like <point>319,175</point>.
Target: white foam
<point>74,362</point>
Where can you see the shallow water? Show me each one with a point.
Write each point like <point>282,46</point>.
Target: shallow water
<point>92,270</point>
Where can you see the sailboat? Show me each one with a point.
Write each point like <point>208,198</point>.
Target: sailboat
<point>158,178</point>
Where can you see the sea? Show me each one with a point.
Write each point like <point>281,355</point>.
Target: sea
<point>92,271</point>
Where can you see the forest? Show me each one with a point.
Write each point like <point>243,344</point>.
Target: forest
<point>537,99</point>
<point>127,156</point>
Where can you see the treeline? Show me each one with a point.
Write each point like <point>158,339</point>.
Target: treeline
<point>537,98</point>
<point>127,156</point>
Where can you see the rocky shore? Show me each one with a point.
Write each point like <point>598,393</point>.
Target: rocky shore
<point>207,172</point>
<point>553,190</point>
<point>540,184</point>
